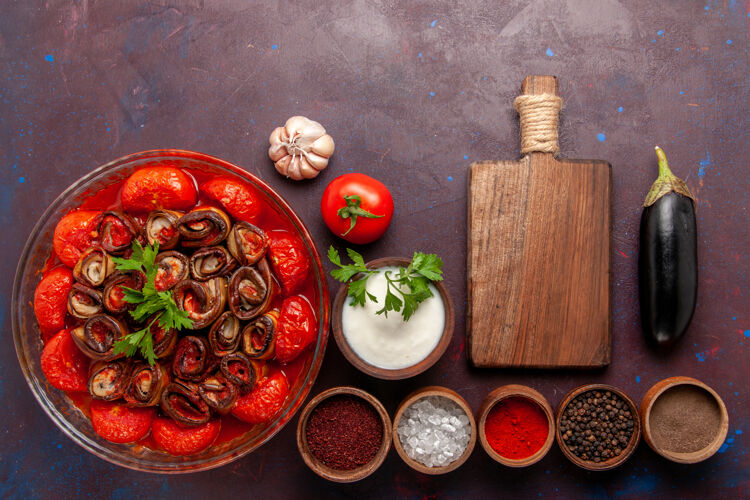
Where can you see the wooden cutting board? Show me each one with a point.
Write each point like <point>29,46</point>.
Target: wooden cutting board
<point>539,264</point>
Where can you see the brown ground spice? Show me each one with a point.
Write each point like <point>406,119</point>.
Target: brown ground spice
<point>344,432</point>
<point>684,419</point>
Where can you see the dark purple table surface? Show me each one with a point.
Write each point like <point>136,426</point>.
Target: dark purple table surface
<point>412,95</point>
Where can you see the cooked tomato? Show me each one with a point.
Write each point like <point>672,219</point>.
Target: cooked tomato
<point>179,440</point>
<point>64,365</point>
<point>296,329</point>
<point>236,197</point>
<point>288,259</point>
<point>75,233</point>
<point>158,187</point>
<point>51,300</point>
<point>120,423</point>
<point>357,208</point>
<point>264,401</point>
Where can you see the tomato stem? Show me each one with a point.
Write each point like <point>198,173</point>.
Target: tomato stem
<point>352,210</point>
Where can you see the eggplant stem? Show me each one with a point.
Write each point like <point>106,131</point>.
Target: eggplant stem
<point>666,182</point>
<point>664,170</point>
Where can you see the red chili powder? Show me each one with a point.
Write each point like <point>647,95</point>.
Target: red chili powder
<point>344,432</point>
<point>516,427</point>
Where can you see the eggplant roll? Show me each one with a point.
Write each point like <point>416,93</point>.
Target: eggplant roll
<point>203,302</point>
<point>247,243</point>
<point>164,340</point>
<point>171,268</point>
<point>259,336</point>
<point>117,230</point>
<point>113,295</point>
<point>182,402</point>
<point>93,267</point>
<point>161,228</point>
<point>211,262</point>
<point>224,335</point>
<point>219,393</point>
<point>96,338</point>
<point>250,290</point>
<point>193,359</point>
<point>203,226</point>
<point>239,370</point>
<point>109,379</point>
<point>146,384</point>
<point>84,302</point>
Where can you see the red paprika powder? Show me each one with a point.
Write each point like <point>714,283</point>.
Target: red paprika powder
<point>516,427</point>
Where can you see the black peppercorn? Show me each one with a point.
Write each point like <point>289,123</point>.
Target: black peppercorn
<point>596,426</point>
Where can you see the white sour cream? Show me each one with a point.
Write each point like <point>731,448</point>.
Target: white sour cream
<point>390,342</point>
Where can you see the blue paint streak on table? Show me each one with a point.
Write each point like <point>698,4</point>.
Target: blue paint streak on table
<point>412,92</point>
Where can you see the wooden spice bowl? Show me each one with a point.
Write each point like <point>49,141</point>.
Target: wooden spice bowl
<point>610,463</point>
<point>434,390</point>
<point>383,373</point>
<point>343,476</point>
<point>683,458</point>
<point>518,391</point>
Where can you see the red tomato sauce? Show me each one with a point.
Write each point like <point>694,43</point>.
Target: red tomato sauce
<point>108,198</point>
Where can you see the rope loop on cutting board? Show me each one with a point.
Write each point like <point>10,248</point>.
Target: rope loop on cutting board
<point>539,115</point>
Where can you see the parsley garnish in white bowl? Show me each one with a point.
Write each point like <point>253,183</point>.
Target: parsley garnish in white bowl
<point>407,287</point>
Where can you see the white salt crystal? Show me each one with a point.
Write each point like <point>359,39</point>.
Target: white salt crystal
<point>434,431</point>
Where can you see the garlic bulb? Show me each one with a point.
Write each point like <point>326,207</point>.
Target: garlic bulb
<point>301,148</point>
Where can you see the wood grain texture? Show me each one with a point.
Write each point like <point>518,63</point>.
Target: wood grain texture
<point>538,263</point>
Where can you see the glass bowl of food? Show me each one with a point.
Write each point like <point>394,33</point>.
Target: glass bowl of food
<point>228,253</point>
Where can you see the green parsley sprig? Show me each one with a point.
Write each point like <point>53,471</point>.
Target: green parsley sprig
<point>150,301</point>
<point>407,287</point>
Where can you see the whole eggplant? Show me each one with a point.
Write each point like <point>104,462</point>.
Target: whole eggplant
<point>668,258</point>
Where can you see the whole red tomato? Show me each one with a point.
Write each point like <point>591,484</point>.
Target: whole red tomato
<point>64,365</point>
<point>161,186</point>
<point>119,423</point>
<point>296,329</point>
<point>288,259</point>
<point>51,300</point>
<point>264,401</point>
<point>357,208</point>
<point>75,233</point>
<point>179,440</point>
<point>236,197</point>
